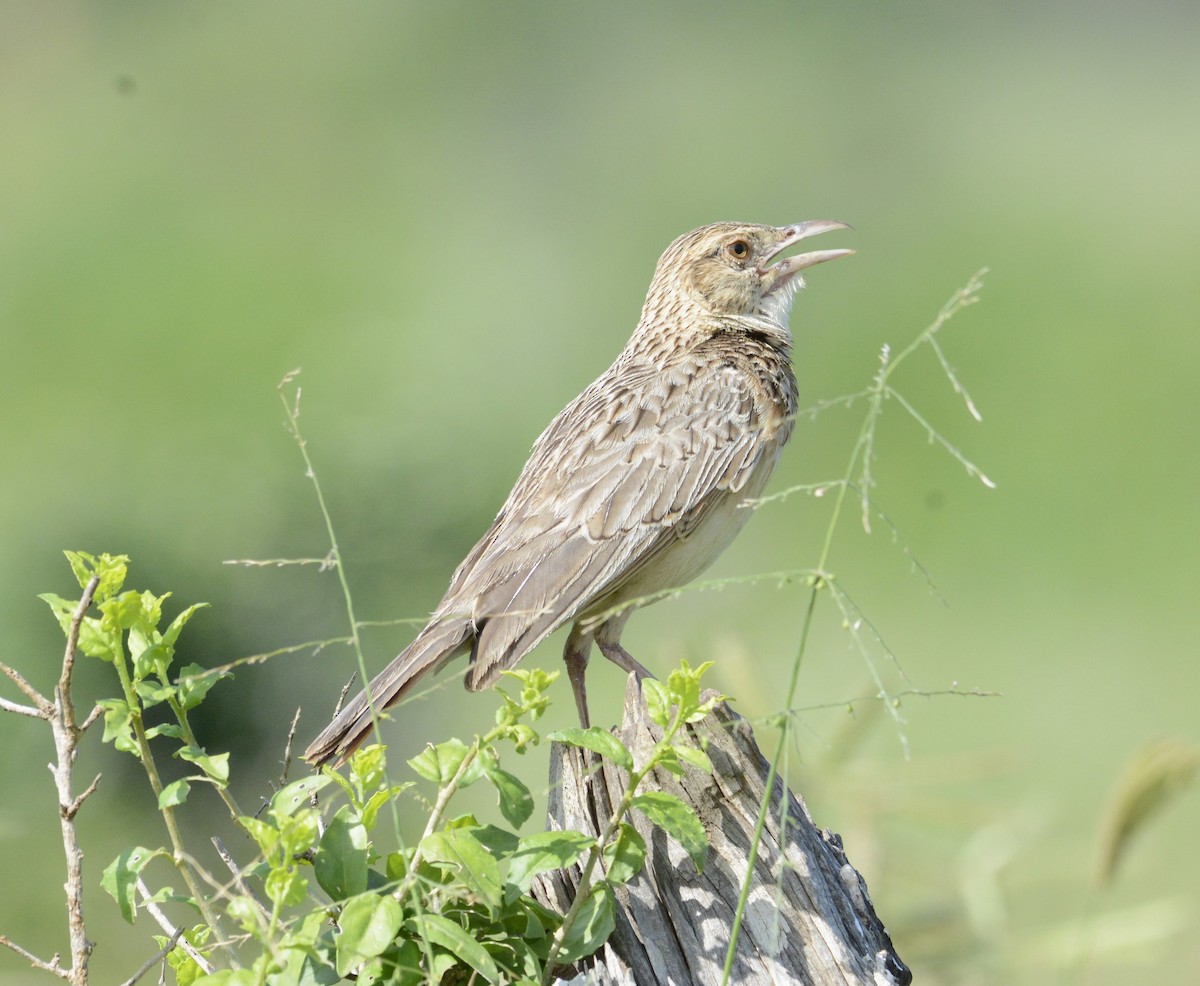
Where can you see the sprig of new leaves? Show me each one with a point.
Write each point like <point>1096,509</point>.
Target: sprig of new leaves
<point>127,635</point>
<point>323,900</point>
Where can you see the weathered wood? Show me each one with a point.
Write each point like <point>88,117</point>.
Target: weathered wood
<point>808,920</point>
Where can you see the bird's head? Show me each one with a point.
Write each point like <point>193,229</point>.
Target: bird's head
<point>729,272</point>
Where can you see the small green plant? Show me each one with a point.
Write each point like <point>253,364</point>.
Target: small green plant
<point>332,892</point>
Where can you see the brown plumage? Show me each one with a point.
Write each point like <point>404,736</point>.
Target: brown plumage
<point>634,488</point>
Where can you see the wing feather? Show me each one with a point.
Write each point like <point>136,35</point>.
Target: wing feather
<point>633,464</point>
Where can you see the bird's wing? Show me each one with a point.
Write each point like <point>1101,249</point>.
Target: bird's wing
<point>633,464</point>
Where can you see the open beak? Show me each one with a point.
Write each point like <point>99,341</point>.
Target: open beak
<point>777,275</point>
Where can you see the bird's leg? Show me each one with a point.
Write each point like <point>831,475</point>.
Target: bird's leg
<point>575,654</point>
<point>608,638</point>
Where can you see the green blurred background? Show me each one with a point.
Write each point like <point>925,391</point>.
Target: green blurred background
<point>447,215</point>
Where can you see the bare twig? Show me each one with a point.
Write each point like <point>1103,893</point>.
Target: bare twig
<point>66,737</point>
<point>170,927</point>
<point>60,714</point>
<point>73,808</point>
<point>66,706</point>
<point>44,707</point>
<point>287,749</point>
<point>274,562</point>
<point>154,959</point>
<point>21,710</point>
<point>91,718</point>
<point>238,880</point>
<point>341,699</point>
<point>53,965</point>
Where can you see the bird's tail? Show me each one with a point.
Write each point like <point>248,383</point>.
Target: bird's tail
<point>438,643</point>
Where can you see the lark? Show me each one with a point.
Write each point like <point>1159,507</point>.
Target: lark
<point>637,485</point>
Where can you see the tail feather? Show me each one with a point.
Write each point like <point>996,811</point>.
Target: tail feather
<point>438,643</point>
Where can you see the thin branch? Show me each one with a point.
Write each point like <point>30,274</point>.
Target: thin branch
<point>816,490</point>
<point>21,710</point>
<point>239,880</point>
<point>287,749</point>
<point>66,738</point>
<point>848,703</point>
<point>66,705</point>
<point>73,808</point>
<point>91,718</point>
<point>341,699</point>
<point>45,709</point>
<point>275,562</point>
<point>170,927</point>
<point>400,621</point>
<point>316,646</point>
<point>154,959</point>
<point>54,965</point>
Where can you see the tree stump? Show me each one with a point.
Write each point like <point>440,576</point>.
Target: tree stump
<point>808,919</point>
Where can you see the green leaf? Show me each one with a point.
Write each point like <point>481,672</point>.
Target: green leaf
<point>93,641</point>
<point>121,875</point>
<point>440,763</point>
<point>368,769</point>
<point>308,955</point>
<point>245,912</point>
<point>174,793</point>
<point>520,735</point>
<point>694,756</point>
<point>658,702</point>
<point>63,609</point>
<point>540,852</point>
<point>151,692</point>
<point>151,659</point>
<point>439,967</point>
<point>301,968</point>
<point>442,931</point>
<point>285,886</point>
<point>82,564</point>
<point>516,803</point>
<point>534,683</point>
<point>598,741</point>
<point>118,725</point>
<point>131,609</point>
<point>517,958</point>
<point>471,862</point>
<point>593,924</point>
<point>683,685</point>
<point>172,632</point>
<point>396,865</point>
<point>370,811</point>
<point>666,758</point>
<point>501,843</point>
<point>186,970</point>
<point>340,864</point>
<point>267,836</point>
<point>624,856</point>
<point>287,799</point>
<point>194,683</point>
<point>367,925</point>
<point>678,821</point>
<point>298,831</point>
<point>165,729</point>
<point>110,568</point>
<point>215,765</point>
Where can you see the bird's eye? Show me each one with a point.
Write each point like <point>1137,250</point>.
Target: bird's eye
<point>738,249</point>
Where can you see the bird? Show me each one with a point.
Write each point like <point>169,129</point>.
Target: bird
<point>637,485</point>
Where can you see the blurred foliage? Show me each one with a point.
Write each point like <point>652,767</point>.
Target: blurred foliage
<point>447,215</point>
<point>1155,775</point>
